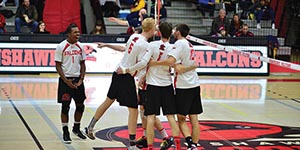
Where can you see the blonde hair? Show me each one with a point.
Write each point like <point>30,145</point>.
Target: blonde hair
<point>148,24</point>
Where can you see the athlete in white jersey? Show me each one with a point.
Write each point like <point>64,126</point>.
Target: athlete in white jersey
<point>160,92</point>
<point>184,54</point>
<point>70,65</point>
<point>70,55</point>
<point>135,49</point>
<point>186,84</point>
<point>123,87</point>
<point>142,141</point>
<point>159,75</point>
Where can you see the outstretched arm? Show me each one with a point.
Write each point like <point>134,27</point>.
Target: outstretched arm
<point>118,21</point>
<point>114,47</point>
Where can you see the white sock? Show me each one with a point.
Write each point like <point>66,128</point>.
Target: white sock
<point>145,132</point>
<point>163,133</point>
<point>75,122</point>
<point>64,124</point>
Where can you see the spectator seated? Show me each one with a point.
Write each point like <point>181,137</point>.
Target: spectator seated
<point>206,6</point>
<point>264,12</point>
<point>26,15</point>
<point>220,21</point>
<point>42,28</point>
<point>244,32</point>
<point>235,25</point>
<point>245,5</point>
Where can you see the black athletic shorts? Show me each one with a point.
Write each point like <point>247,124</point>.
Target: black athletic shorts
<point>123,89</point>
<point>188,101</point>
<point>160,97</point>
<point>65,93</point>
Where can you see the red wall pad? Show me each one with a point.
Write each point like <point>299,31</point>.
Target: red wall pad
<point>58,14</point>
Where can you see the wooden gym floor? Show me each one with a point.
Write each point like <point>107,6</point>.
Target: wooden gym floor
<point>239,113</point>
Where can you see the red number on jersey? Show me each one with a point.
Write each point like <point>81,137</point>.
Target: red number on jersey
<point>161,51</point>
<point>132,44</point>
<point>192,52</point>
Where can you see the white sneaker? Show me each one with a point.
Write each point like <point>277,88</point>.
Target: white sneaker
<point>273,25</point>
<point>2,4</point>
<point>193,148</point>
<point>258,26</point>
<point>133,148</point>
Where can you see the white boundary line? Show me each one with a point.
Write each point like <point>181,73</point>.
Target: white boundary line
<point>246,54</point>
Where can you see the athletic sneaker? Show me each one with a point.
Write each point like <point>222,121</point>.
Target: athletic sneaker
<point>166,143</point>
<point>133,148</point>
<point>197,144</point>
<point>66,138</point>
<point>79,134</point>
<point>89,133</point>
<point>142,142</point>
<point>2,4</point>
<point>194,147</point>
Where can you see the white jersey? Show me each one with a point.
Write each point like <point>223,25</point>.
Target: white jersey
<point>70,55</point>
<point>135,49</point>
<point>158,75</point>
<point>184,54</point>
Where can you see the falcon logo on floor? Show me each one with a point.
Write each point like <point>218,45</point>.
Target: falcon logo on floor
<point>224,135</point>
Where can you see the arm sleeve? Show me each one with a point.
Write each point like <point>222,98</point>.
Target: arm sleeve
<point>58,54</point>
<point>83,53</point>
<point>143,61</point>
<point>213,26</point>
<point>35,14</point>
<point>176,52</point>
<point>18,13</point>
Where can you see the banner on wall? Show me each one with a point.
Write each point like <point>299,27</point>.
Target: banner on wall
<point>37,57</point>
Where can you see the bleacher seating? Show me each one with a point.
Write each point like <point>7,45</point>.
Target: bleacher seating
<point>186,12</point>
<point>10,22</point>
<point>178,12</point>
<point>114,28</point>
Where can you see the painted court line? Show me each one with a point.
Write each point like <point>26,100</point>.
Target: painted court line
<point>23,120</point>
<point>45,117</point>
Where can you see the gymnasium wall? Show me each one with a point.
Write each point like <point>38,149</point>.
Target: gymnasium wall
<point>27,53</point>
